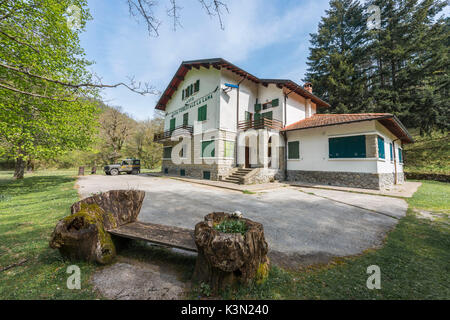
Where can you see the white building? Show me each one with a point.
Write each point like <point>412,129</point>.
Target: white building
<point>222,122</point>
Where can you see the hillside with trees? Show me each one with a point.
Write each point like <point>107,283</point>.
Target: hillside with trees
<point>399,66</point>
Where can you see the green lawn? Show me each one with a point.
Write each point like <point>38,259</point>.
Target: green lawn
<point>29,210</point>
<point>414,261</point>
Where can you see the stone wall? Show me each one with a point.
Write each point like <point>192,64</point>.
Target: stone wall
<point>371,146</point>
<point>343,179</point>
<point>262,175</point>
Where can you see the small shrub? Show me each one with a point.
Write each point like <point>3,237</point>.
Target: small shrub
<point>232,226</point>
<point>205,289</point>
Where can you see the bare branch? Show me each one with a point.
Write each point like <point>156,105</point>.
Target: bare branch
<point>174,13</point>
<point>34,95</point>
<point>214,8</point>
<point>144,8</point>
<point>139,88</point>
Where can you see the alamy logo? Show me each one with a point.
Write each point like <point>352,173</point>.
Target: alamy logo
<point>374,280</point>
<point>374,20</point>
<point>74,280</point>
<point>73,17</point>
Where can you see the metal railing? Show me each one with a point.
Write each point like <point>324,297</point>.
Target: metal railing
<point>262,123</point>
<point>175,131</point>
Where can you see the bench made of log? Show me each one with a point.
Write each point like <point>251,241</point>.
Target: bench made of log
<point>175,237</point>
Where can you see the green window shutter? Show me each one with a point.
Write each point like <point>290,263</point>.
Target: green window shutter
<point>275,102</point>
<point>381,153</point>
<point>208,149</point>
<point>229,149</point>
<point>391,151</point>
<point>172,124</point>
<point>347,147</point>
<point>197,86</point>
<point>294,150</point>
<point>185,119</point>
<point>257,116</point>
<point>257,107</point>
<point>202,113</point>
<point>207,175</point>
<point>182,94</point>
<point>191,88</point>
<point>267,115</point>
<point>400,155</point>
<point>182,172</point>
<point>247,116</point>
<point>167,153</point>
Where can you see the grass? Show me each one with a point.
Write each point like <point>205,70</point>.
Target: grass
<point>248,192</point>
<point>232,226</point>
<point>429,154</point>
<point>29,210</point>
<point>414,263</point>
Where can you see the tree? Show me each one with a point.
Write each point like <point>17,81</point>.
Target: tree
<point>116,128</point>
<point>335,56</point>
<point>400,67</point>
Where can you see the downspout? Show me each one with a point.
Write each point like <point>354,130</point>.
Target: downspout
<point>395,161</point>
<point>237,121</point>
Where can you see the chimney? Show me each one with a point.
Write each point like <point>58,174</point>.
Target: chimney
<point>308,87</point>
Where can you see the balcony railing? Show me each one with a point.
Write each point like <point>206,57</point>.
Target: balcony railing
<point>262,123</point>
<point>174,132</point>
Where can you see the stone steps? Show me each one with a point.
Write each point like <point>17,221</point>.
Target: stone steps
<point>238,176</point>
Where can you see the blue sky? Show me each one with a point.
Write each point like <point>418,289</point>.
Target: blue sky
<point>263,37</point>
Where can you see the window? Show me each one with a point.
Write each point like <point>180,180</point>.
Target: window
<point>275,102</point>
<point>190,90</point>
<point>167,153</point>
<point>248,116</point>
<point>202,113</point>
<point>267,115</point>
<point>347,147</point>
<point>185,119</point>
<point>391,151</point>
<point>166,170</point>
<point>294,150</point>
<point>381,154</point>
<point>229,149</point>
<point>207,175</point>
<point>172,124</point>
<point>197,86</point>
<point>400,155</point>
<point>208,149</point>
<point>182,172</point>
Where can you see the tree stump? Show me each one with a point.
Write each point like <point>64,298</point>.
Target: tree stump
<point>226,259</point>
<point>81,171</point>
<point>83,234</point>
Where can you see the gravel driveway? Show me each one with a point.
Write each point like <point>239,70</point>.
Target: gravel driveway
<point>301,225</point>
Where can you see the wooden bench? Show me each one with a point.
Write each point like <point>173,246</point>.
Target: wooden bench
<point>175,237</point>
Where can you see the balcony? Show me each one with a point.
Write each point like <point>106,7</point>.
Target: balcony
<point>262,123</point>
<point>174,132</point>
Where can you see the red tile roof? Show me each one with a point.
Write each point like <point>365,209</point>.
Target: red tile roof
<point>323,120</point>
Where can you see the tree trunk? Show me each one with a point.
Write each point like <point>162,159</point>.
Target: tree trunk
<point>84,234</point>
<point>30,165</point>
<point>226,259</point>
<point>19,169</point>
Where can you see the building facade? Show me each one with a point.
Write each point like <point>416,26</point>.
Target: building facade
<point>223,123</point>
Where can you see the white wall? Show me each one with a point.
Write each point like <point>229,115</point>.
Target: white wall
<point>314,152</point>
<point>209,80</point>
<point>387,165</point>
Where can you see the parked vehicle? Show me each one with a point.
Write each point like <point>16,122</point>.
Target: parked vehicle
<point>130,166</point>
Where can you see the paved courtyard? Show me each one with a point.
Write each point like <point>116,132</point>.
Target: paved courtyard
<point>305,225</point>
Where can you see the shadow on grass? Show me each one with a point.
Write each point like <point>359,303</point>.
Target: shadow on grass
<point>10,187</point>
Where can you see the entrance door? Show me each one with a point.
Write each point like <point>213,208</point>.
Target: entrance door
<point>247,157</point>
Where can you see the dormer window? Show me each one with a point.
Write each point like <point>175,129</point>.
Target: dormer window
<point>190,90</point>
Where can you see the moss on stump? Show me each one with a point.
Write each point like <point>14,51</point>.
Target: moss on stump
<point>226,259</point>
<point>83,235</point>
